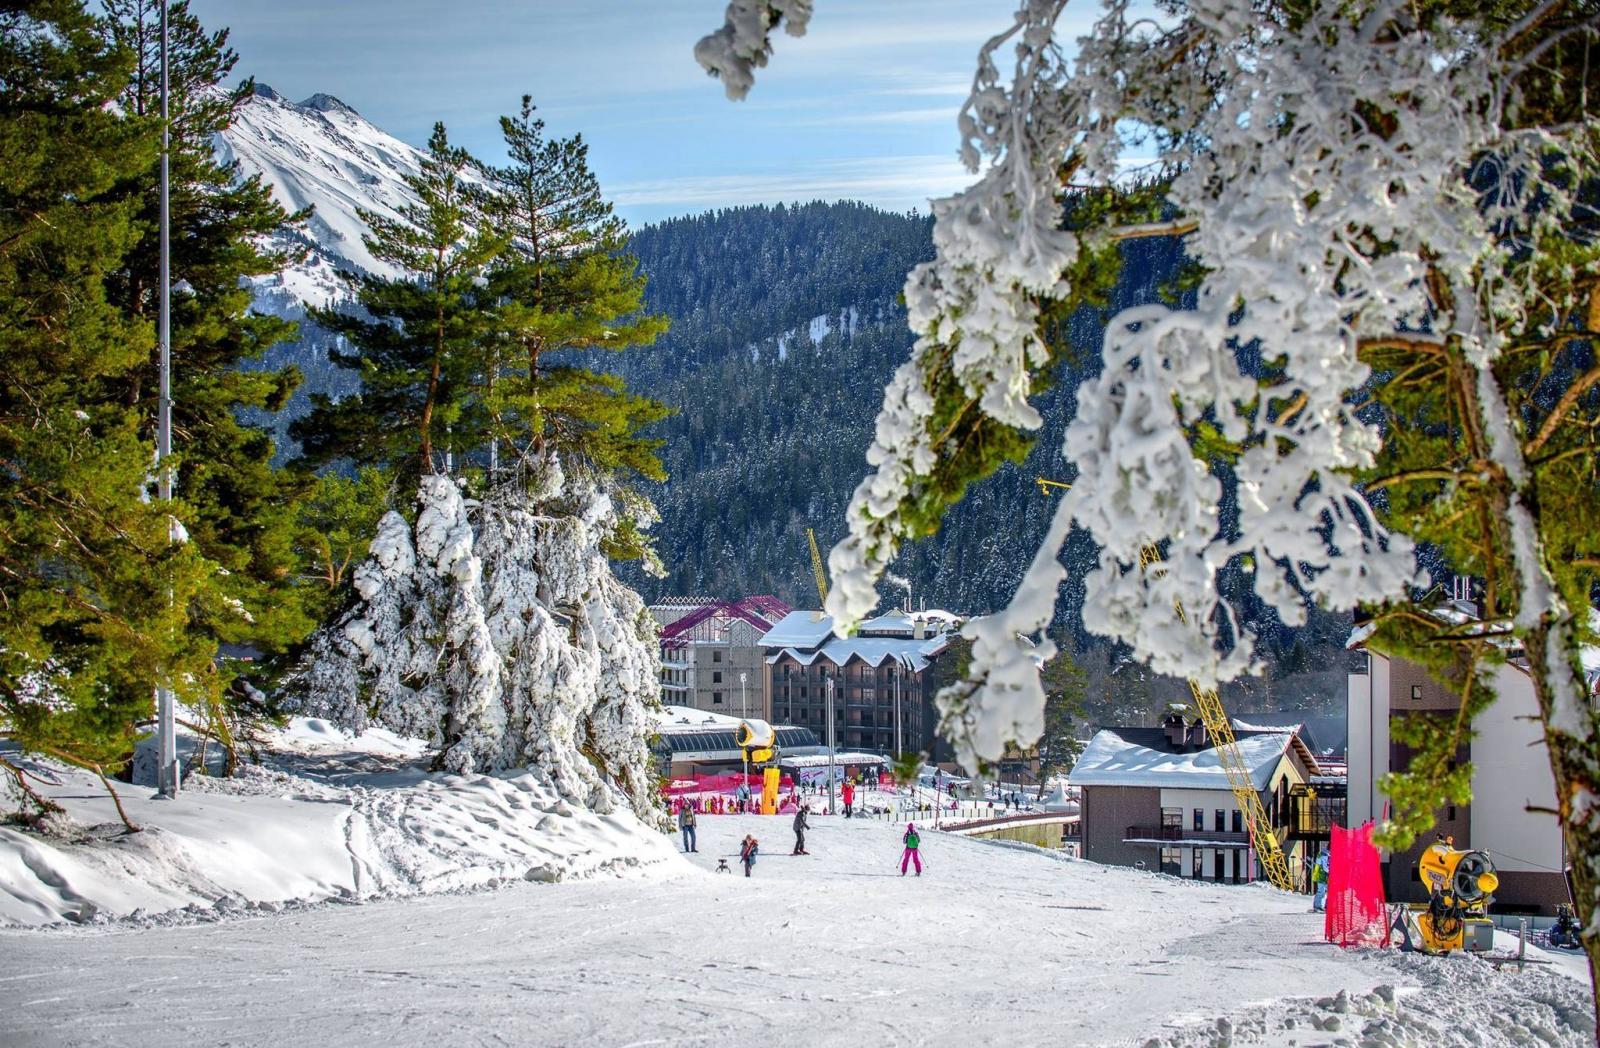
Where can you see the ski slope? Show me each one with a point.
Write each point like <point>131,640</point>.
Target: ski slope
<point>995,944</point>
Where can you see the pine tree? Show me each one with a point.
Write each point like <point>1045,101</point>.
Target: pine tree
<point>1065,688</point>
<point>92,594</point>
<point>494,626</point>
<point>566,285</point>
<point>418,345</point>
<point>240,512</point>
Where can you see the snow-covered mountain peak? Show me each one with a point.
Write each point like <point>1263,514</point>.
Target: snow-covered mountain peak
<point>320,153</point>
<point>327,104</point>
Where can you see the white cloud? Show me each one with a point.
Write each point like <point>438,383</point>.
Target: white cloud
<point>896,183</point>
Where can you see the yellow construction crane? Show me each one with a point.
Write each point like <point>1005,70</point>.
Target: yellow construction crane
<point>816,568</point>
<point>1268,849</point>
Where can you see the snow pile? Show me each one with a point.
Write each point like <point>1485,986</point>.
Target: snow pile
<point>498,633</point>
<point>330,816</point>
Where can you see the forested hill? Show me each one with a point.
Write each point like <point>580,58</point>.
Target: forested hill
<point>786,326</point>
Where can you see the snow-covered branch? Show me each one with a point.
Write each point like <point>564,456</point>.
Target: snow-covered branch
<point>734,52</point>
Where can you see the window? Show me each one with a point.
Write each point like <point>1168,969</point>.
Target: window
<point>1416,693</point>
<point>1199,819</point>
<point>1171,862</point>
<point>716,677</point>
<point>1197,865</point>
<point>1238,822</point>
<point>1221,823</point>
<point>1216,865</point>
<point>1171,818</point>
<point>716,656</point>
<point>716,698</point>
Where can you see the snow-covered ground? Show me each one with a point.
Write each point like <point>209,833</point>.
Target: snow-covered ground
<point>994,944</point>
<point>327,817</point>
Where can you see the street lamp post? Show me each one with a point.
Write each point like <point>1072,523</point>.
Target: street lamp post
<point>166,714</point>
<point>899,750</point>
<point>829,715</point>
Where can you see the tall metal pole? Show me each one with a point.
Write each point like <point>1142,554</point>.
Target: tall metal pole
<point>744,711</point>
<point>166,733</point>
<point>830,745</point>
<point>899,751</point>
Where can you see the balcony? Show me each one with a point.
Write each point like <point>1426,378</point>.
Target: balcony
<point>1179,835</point>
<point>1313,812</point>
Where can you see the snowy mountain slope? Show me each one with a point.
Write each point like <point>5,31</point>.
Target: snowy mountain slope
<point>995,944</point>
<point>323,154</point>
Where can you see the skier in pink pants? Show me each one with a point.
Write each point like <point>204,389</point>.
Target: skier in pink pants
<point>910,856</point>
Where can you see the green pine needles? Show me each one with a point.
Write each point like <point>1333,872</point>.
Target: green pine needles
<point>469,357</point>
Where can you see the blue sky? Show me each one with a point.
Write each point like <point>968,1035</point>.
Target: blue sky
<point>862,107</point>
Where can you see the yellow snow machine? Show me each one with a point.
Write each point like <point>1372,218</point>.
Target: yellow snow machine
<point>1461,885</point>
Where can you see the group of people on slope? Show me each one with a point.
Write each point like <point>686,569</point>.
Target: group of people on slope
<point>749,847</point>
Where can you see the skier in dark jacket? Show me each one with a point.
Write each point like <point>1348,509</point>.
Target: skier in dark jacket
<point>800,827</point>
<point>747,853</point>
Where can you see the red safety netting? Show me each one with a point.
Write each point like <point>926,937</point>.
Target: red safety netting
<point>1357,914</point>
<point>727,782</point>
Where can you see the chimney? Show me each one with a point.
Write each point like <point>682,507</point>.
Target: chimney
<point>1195,735</point>
<point>919,628</point>
<point>1177,731</point>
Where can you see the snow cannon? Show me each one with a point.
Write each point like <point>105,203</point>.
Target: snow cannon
<point>1461,884</point>
<point>759,743</point>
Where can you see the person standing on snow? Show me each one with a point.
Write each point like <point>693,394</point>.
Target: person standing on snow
<point>747,853</point>
<point>911,840</point>
<point>800,827</point>
<point>849,795</point>
<point>686,824</point>
<point>1319,880</point>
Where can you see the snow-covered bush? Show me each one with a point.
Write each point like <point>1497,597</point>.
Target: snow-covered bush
<point>496,631</point>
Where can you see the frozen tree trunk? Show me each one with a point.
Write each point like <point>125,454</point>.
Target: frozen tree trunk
<point>1571,737</point>
<point>1548,631</point>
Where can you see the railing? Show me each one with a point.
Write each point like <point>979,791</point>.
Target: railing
<point>1180,835</point>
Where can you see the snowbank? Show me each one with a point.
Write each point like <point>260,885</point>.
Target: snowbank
<point>327,816</point>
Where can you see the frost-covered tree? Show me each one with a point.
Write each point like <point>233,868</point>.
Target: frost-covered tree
<point>493,625</point>
<point>496,630</point>
<point>1348,177</point>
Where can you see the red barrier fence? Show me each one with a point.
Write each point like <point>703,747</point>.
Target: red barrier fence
<point>727,782</point>
<point>1357,915</point>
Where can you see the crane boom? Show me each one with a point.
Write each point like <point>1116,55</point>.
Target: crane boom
<point>1220,728</point>
<point>816,568</point>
